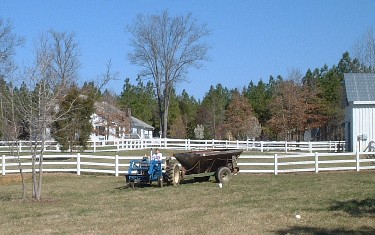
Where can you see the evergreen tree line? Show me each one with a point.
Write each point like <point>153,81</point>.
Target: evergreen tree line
<point>281,109</point>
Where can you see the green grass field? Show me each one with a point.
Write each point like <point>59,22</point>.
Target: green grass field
<point>329,203</point>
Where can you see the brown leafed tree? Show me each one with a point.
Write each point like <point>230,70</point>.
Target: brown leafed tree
<point>178,128</point>
<point>240,121</point>
<point>296,106</point>
<point>288,109</point>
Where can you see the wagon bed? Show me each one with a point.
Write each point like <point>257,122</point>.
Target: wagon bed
<point>205,161</point>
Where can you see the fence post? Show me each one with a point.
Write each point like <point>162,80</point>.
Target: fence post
<point>94,146</point>
<point>118,145</point>
<point>78,164</point>
<point>213,143</point>
<point>238,145</point>
<point>316,162</point>
<point>275,162</point>
<point>20,146</point>
<point>357,160</point>
<point>310,147</point>
<point>286,146</point>
<point>3,165</point>
<point>261,146</point>
<point>116,165</point>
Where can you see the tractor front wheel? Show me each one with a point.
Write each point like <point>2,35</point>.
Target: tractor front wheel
<point>160,181</point>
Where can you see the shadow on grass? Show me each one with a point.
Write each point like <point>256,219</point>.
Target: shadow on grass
<point>154,185</point>
<point>321,231</point>
<point>357,208</point>
<point>5,198</point>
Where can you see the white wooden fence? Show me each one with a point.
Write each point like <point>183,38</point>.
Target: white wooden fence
<point>187,144</point>
<point>267,163</point>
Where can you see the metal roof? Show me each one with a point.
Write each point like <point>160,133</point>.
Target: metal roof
<point>360,86</point>
<point>139,123</point>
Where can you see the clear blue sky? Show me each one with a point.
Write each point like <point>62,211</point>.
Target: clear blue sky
<point>250,40</point>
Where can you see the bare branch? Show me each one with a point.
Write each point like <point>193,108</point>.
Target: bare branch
<point>106,77</point>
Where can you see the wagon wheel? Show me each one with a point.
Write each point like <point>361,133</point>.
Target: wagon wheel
<point>222,175</point>
<point>173,172</point>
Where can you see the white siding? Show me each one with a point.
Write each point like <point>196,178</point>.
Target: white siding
<point>349,127</point>
<point>362,124</point>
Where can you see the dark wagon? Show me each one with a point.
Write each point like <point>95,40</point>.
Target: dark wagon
<point>202,164</point>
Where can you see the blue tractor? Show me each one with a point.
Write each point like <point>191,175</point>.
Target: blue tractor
<point>144,171</point>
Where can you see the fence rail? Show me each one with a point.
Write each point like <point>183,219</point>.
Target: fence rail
<point>272,164</point>
<point>184,144</point>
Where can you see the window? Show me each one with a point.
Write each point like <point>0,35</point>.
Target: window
<point>99,130</point>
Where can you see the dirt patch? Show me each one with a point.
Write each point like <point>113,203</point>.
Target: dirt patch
<point>10,179</point>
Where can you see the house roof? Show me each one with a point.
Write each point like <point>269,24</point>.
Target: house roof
<point>138,123</point>
<point>360,86</point>
<point>104,107</point>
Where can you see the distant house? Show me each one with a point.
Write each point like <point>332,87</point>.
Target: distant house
<point>141,129</point>
<point>360,111</point>
<point>110,123</point>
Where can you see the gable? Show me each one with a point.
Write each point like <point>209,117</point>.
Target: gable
<point>139,123</point>
<point>360,86</point>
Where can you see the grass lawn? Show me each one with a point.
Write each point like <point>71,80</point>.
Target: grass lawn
<point>329,203</point>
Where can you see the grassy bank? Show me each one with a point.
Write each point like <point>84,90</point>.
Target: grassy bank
<point>329,203</point>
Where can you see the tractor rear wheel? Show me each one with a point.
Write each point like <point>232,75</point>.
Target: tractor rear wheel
<point>173,173</point>
<point>223,175</point>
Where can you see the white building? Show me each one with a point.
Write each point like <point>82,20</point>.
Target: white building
<point>360,112</point>
<point>141,129</point>
<point>110,123</point>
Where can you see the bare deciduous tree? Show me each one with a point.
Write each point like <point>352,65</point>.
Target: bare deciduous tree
<point>111,121</point>
<point>8,44</point>
<point>166,47</point>
<point>54,72</point>
<point>364,50</point>
<point>9,128</point>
